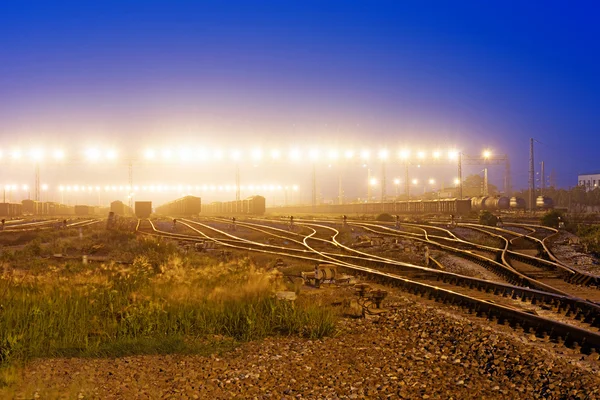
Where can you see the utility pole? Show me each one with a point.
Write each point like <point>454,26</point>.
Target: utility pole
<point>314,185</point>
<point>507,183</point>
<point>237,182</point>
<point>406,182</point>
<point>368,185</point>
<point>131,184</point>
<point>383,182</point>
<point>542,179</point>
<point>37,181</point>
<point>485,182</point>
<point>460,183</point>
<point>340,190</point>
<point>531,177</point>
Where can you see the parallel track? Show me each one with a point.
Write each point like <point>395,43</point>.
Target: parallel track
<point>545,311</point>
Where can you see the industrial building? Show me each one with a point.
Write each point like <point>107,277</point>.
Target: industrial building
<point>590,180</point>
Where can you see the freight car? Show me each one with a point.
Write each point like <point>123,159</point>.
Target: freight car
<point>254,205</point>
<point>117,207</point>
<point>490,203</point>
<point>413,207</point>
<point>185,206</point>
<point>517,203</point>
<point>11,209</point>
<point>544,202</point>
<point>143,209</point>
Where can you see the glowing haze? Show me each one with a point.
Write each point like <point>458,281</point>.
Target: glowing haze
<point>131,76</point>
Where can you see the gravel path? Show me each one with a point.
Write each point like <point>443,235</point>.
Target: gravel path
<point>418,350</point>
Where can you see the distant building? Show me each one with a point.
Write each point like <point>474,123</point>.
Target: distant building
<point>589,180</point>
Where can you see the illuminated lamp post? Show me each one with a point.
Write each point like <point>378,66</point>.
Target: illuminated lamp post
<point>383,156</point>
<point>404,156</point>
<point>314,155</point>
<point>397,185</point>
<point>372,182</point>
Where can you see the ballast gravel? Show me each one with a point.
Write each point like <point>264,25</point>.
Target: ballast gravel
<point>416,350</point>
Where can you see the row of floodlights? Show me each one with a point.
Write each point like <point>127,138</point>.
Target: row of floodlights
<point>186,154</point>
<point>174,188</point>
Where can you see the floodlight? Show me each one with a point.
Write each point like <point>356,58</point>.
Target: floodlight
<point>36,154</point>
<point>383,154</point>
<point>184,154</point>
<point>111,154</point>
<point>201,153</point>
<point>333,154</point>
<point>487,154</point>
<point>396,181</point>
<point>456,181</point>
<point>149,154</point>
<point>421,154</point>
<point>166,154</point>
<point>313,154</point>
<point>256,154</point>
<point>44,187</point>
<point>16,154</point>
<point>25,187</point>
<point>348,154</point>
<point>452,154</point>
<point>294,154</point>
<point>295,188</point>
<point>218,154</point>
<point>365,154</point>
<point>415,181</point>
<point>373,182</point>
<point>404,154</point>
<point>431,181</point>
<point>436,154</point>
<point>275,154</point>
<point>92,154</point>
<point>236,155</point>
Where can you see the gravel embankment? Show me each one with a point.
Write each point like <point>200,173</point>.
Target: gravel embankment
<point>418,350</point>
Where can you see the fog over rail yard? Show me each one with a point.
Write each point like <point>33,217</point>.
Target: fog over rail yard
<point>241,200</point>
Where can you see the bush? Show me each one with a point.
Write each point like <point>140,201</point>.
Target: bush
<point>385,217</point>
<point>552,219</point>
<point>487,218</point>
<point>590,238</point>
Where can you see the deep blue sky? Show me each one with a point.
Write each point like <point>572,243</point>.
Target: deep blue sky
<point>377,73</point>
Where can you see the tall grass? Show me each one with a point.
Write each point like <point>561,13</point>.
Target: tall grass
<point>160,303</point>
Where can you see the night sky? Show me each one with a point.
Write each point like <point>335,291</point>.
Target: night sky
<point>422,74</point>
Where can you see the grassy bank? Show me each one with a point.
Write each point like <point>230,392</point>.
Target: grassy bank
<point>165,301</point>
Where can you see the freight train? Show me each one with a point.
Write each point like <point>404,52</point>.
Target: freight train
<point>254,205</point>
<point>185,206</point>
<point>121,209</point>
<point>442,206</point>
<point>413,207</point>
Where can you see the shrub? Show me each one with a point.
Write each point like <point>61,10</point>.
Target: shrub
<point>552,219</point>
<point>487,218</point>
<point>385,217</point>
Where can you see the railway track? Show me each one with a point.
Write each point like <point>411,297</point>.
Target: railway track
<point>25,225</point>
<point>556,316</point>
